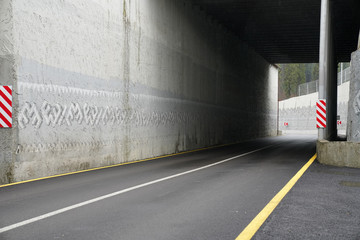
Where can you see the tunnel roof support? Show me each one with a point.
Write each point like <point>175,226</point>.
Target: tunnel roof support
<point>327,73</point>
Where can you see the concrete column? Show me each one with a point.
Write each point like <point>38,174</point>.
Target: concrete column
<point>353,131</point>
<point>327,72</point>
<point>331,98</point>
<point>341,73</point>
<point>8,136</point>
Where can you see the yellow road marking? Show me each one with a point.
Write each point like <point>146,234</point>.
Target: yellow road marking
<point>115,165</point>
<point>256,223</point>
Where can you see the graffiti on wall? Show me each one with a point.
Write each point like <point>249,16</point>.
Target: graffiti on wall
<point>90,109</point>
<point>58,114</point>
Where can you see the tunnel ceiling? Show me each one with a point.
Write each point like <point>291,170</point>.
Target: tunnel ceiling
<point>286,31</point>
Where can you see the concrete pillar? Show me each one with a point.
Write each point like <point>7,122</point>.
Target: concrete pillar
<point>353,130</point>
<point>8,136</point>
<point>341,73</point>
<point>331,98</point>
<point>327,72</point>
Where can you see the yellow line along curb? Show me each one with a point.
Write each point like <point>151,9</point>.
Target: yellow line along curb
<point>115,165</point>
<point>256,223</point>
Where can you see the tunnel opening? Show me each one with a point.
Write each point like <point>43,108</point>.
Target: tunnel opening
<point>298,93</point>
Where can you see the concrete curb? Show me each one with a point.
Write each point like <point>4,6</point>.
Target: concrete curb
<point>341,154</point>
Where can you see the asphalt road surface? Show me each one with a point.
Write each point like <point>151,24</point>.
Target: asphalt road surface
<point>209,194</point>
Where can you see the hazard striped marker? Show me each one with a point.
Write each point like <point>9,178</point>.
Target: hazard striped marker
<point>321,113</point>
<point>5,106</point>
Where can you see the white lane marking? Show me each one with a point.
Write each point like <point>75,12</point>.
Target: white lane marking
<point>62,210</point>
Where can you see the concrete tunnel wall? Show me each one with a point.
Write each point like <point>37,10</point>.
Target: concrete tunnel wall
<point>104,82</point>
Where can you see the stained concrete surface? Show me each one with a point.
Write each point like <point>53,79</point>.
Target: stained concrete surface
<point>354,102</point>
<point>324,204</point>
<point>8,136</point>
<point>339,153</point>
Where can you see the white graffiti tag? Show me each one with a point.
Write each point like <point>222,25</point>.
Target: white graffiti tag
<point>57,115</point>
<point>74,113</point>
<point>51,113</point>
<point>30,112</point>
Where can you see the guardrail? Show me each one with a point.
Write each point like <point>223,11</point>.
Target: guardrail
<point>311,87</point>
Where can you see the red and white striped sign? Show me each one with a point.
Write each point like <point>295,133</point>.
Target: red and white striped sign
<point>321,113</point>
<point>5,106</point>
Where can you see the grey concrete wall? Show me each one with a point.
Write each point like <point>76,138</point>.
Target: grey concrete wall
<point>8,136</point>
<point>104,82</point>
<point>300,112</point>
<point>354,102</point>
